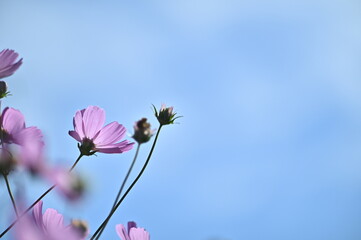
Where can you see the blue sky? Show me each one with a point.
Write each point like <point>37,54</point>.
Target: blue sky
<point>270,91</point>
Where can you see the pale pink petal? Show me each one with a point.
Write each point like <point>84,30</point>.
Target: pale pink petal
<point>170,110</point>
<point>131,224</point>
<point>7,57</point>
<point>75,135</point>
<point>7,62</point>
<point>121,147</point>
<point>78,124</point>
<point>162,107</point>
<point>53,221</point>
<point>9,70</point>
<point>28,135</point>
<point>38,214</point>
<point>138,234</point>
<point>12,120</point>
<point>93,119</point>
<point>31,157</point>
<point>27,230</point>
<point>111,133</point>
<point>121,232</point>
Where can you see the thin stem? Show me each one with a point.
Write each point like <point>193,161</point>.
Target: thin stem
<point>37,200</point>
<point>121,188</point>
<point>130,187</point>
<point>76,162</point>
<point>11,195</point>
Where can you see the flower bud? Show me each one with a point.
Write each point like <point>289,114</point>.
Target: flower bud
<point>165,115</point>
<point>81,227</point>
<point>7,161</point>
<point>3,89</point>
<point>142,131</point>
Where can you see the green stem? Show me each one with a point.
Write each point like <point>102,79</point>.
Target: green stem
<point>121,189</point>
<point>11,195</point>
<point>129,188</point>
<point>37,200</point>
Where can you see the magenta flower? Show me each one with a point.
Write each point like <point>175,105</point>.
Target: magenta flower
<point>7,62</point>
<point>47,226</point>
<point>133,233</point>
<point>89,131</point>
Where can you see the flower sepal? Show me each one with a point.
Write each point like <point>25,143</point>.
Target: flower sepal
<point>86,148</point>
<point>4,90</point>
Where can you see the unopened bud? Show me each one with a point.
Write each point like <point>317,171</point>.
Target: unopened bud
<point>7,161</point>
<point>3,89</point>
<point>142,131</point>
<point>165,115</point>
<point>81,227</point>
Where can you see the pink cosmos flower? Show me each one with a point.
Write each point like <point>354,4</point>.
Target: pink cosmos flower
<point>47,226</point>
<point>7,62</point>
<point>133,233</point>
<point>89,131</point>
<point>13,130</point>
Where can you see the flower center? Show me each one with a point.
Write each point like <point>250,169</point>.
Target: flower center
<point>87,147</point>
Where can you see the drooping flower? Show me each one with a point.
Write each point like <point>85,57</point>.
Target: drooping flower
<point>71,185</point>
<point>47,226</point>
<point>142,131</point>
<point>165,115</point>
<point>8,64</point>
<point>89,131</point>
<point>133,233</point>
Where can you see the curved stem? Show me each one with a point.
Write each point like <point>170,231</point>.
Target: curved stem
<point>37,200</point>
<point>11,195</point>
<point>130,187</point>
<point>121,189</point>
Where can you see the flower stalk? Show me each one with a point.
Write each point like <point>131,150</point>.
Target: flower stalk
<point>130,187</point>
<point>121,189</point>
<point>37,200</point>
<point>11,195</point>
